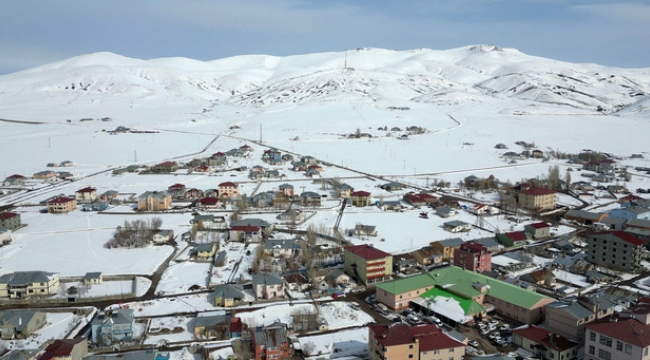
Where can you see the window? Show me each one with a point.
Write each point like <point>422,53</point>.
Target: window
<point>451,350</point>
<point>604,354</point>
<point>604,340</point>
<point>410,356</point>
<point>619,345</point>
<point>411,346</point>
<point>592,350</point>
<point>628,349</point>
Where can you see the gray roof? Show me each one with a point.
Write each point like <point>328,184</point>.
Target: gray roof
<point>310,194</point>
<point>19,355</point>
<point>213,320</point>
<point>137,355</point>
<point>581,214</point>
<point>455,223</point>
<point>639,223</point>
<point>116,316</point>
<point>18,318</point>
<point>344,186</point>
<point>271,336</point>
<point>279,244</point>
<point>93,275</point>
<point>267,279</point>
<point>488,242</point>
<point>453,242</point>
<point>286,186</point>
<point>154,194</point>
<point>203,247</point>
<point>573,309</point>
<point>221,256</point>
<point>613,221</point>
<point>633,209</point>
<point>25,277</point>
<point>229,291</point>
<point>251,222</point>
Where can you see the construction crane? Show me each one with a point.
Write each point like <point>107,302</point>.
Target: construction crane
<point>338,219</point>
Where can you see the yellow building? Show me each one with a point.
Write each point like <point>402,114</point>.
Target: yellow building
<point>61,204</point>
<point>537,199</point>
<point>22,284</point>
<point>400,341</point>
<point>154,201</point>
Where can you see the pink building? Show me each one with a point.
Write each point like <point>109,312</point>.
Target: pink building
<point>474,257</point>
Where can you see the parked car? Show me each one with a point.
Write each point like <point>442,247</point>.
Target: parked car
<point>485,331</point>
<point>434,320</point>
<point>504,327</point>
<point>493,336</point>
<point>473,343</point>
<point>372,299</point>
<point>493,322</point>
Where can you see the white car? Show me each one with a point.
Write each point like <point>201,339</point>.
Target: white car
<point>473,343</point>
<point>493,323</point>
<point>504,327</point>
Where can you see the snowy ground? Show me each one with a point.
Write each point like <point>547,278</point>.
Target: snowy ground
<point>179,277</point>
<point>58,326</point>
<point>169,329</point>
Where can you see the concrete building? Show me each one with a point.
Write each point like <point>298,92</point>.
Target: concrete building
<point>61,204</point>
<point>154,201</point>
<point>9,220</point>
<point>473,257</point>
<point>270,342</point>
<point>367,264</point>
<point>399,341</point>
<point>537,199</point>
<point>113,325</point>
<point>624,336</point>
<point>22,284</point>
<point>569,317</point>
<point>615,249</point>
<point>20,324</point>
<point>544,344</point>
<point>86,195</point>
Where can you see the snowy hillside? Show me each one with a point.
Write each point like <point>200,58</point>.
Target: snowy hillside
<point>438,77</point>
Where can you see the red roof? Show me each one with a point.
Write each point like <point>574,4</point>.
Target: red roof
<point>246,228</point>
<point>537,191</point>
<point>543,337</point>
<point>236,325</point>
<point>218,154</point>
<point>177,186</point>
<point>367,252</point>
<point>167,164</point>
<point>7,215</point>
<point>429,337</point>
<point>244,147</point>
<point>60,200</point>
<point>630,197</point>
<point>360,193</point>
<point>473,247</point>
<point>209,201</point>
<point>227,184</point>
<point>87,190</point>
<point>540,225</point>
<point>516,235</point>
<point>60,348</point>
<point>628,330</point>
<point>16,176</point>
<point>625,236</point>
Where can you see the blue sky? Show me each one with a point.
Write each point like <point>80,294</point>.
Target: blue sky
<point>614,33</point>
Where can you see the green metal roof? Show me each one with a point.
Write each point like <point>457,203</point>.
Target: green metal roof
<point>470,306</point>
<point>461,282</point>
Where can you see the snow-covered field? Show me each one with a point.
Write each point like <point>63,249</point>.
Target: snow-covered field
<point>352,342</point>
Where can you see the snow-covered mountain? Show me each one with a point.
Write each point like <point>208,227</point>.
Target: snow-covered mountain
<point>438,77</point>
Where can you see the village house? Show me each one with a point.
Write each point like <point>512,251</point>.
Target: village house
<point>287,190</point>
<point>109,195</point>
<point>399,341</point>
<point>44,175</point>
<point>14,180</point>
<point>217,327</point>
<point>61,204</point>
<point>270,342</point>
<point>291,216</point>
<point>392,186</point>
<point>473,257</point>
<point>268,286</point>
<point>427,256</point>
<point>447,247</point>
<point>419,199</point>
<point>344,190</point>
<point>310,199</point>
<point>367,264</point>
<point>312,172</point>
<point>360,198</point>
<point>163,236</point>
<point>296,282</point>
<point>20,324</point>
<point>337,277</point>
<point>210,222</point>
<point>543,276</point>
<point>86,195</point>
<point>97,205</point>
<point>113,325</point>
<point>404,263</point>
<point>204,251</point>
<point>208,203</point>
<point>512,239</point>
<point>165,167</point>
<point>9,220</point>
<point>154,201</point>
<point>217,159</point>
<point>540,230</point>
<point>22,284</point>
<point>544,344</point>
<point>66,349</point>
<point>280,247</point>
<point>245,233</point>
<point>93,278</point>
<point>569,317</point>
<point>192,194</point>
<point>228,189</point>
<point>228,295</point>
<point>457,226</point>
